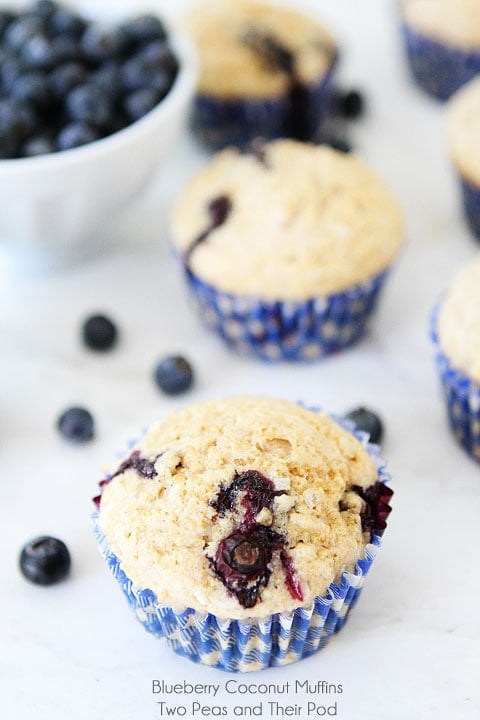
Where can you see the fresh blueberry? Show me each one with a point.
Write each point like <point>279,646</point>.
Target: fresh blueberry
<point>140,102</point>
<point>6,18</point>
<point>20,30</point>
<point>65,49</point>
<point>99,333</point>
<point>17,117</point>
<point>174,374</point>
<point>65,77</point>
<point>66,22</point>
<point>86,103</point>
<point>367,421</point>
<point>107,78</point>
<point>38,52</point>
<point>144,29</point>
<point>10,70</point>
<point>76,424</point>
<point>44,8</point>
<point>45,560</point>
<point>102,43</point>
<point>351,104</point>
<point>33,88</point>
<point>134,74</point>
<point>339,144</point>
<point>159,54</point>
<point>75,135</point>
<point>37,145</point>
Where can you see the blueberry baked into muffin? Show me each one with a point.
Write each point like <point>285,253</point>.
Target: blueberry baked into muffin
<point>285,250</point>
<point>241,529</point>
<point>264,71</point>
<point>456,334</point>
<point>442,39</point>
<point>463,115</point>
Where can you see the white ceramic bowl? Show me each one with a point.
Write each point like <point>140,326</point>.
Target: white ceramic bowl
<point>55,208</point>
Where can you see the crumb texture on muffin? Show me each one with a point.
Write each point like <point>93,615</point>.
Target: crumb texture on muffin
<point>290,478</point>
<point>464,129</point>
<point>304,221</point>
<point>230,65</point>
<point>459,321</point>
<point>455,22</point>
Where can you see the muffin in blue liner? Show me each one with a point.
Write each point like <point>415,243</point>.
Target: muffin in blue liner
<point>439,68</point>
<point>461,392</point>
<point>471,205</point>
<point>302,114</point>
<point>285,250</point>
<point>442,41</point>
<point>265,71</point>
<point>254,642</point>
<point>463,135</point>
<point>276,330</point>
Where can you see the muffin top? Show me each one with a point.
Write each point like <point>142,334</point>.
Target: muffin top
<point>456,22</point>
<point>252,49</point>
<point>242,507</point>
<point>464,129</point>
<point>459,321</point>
<point>296,221</point>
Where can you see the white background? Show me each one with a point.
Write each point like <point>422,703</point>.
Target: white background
<point>411,647</point>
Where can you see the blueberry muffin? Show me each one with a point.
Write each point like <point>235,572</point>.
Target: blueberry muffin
<point>464,147</point>
<point>456,333</point>
<point>265,71</point>
<point>286,250</point>
<point>442,39</point>
<point>241,529</point>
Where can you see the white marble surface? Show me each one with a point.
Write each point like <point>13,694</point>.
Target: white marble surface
<point>411,648</point>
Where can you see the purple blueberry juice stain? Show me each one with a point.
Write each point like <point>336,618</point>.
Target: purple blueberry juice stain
<point>143,467</point>
<point>278,58</point>
<point>242,560</point>
<point>218,211</point>
<point>376,509</point>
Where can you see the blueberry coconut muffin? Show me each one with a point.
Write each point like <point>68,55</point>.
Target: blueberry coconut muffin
<point>264,71</point>
<point>464,147</point>
<point>442,39</point>
<point>241,529</point>
<point>456,333</point>
<point>286,250</point>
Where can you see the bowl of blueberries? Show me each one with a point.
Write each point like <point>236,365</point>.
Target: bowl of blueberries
<point>88,109</point>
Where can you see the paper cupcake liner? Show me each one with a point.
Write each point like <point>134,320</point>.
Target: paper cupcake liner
<point>256,643</point>
<point>462,397</point>
<point>288,330</point>
<point>438,68</point>
<point>219,122</point>
<point>471,205</point>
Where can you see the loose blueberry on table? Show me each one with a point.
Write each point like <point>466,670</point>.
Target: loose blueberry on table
<point>69,81</point>
<point>350,104</point>
<point>45,560</point>
<point>367,421</point>
<point>99,333</point>
<point>174,374</point>
<point>76,425</point>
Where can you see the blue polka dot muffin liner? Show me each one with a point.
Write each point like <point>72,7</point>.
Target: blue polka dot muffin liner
<point>255,643</point>
<point>438,68</point>
<point>287,330</point>
<point>462,397</point>
<point>471,205</point>
<point>219,122</point>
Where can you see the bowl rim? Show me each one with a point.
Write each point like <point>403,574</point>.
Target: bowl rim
<point>181,90</point>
